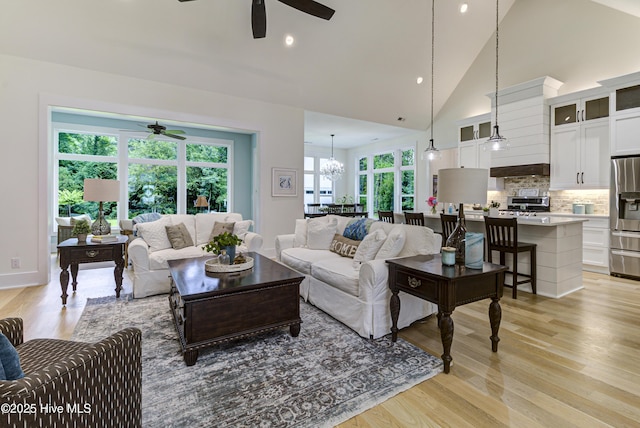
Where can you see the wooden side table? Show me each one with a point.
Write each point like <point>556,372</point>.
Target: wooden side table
<point>425,277</point>
<point>73,253</point>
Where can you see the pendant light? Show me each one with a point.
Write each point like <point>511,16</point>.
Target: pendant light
<point>431,152</point>
<point>496,141</point>
<point>333,169</point>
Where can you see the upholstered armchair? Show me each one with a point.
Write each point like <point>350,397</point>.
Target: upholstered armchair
<point>80,384</point>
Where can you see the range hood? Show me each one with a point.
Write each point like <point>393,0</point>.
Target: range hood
<point>520,170</point>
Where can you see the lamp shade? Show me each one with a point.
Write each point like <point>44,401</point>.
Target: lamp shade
<point>201,201</point>
<point>98,190</point>
<point>463,185</point>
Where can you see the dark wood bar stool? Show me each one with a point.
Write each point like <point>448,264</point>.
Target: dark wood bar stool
<point>416,219</point>
<point>386,216</point>
<point>502,236</point>
<point>448,222</point>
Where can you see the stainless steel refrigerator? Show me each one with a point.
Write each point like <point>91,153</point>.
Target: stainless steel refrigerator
<point>624,214</point>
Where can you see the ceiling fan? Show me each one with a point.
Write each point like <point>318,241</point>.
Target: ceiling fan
<point>259,15</point>
<point>157,129</point>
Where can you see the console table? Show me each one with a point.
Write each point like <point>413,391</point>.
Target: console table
<point>73,253</point>
<point>425,276</point>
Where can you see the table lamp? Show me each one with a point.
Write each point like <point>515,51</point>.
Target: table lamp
<point>201,202</point>
<point>99,190</point>
<point>462,186</point>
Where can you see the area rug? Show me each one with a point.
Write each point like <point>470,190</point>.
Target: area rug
<point>323,377</point>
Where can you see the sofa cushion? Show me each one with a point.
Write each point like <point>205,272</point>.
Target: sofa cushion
<point>155,234</point>
<point>9,360</point>
<point>301,259</point>
<point>393,244</point>
<point>320,233</point>
<point>158,259</point>
<point>300,239</point>
<point>339,273</point>
<point>179,236</point>
<point>344,247</point>
<point>370,246</point>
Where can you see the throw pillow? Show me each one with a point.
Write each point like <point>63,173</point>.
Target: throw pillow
<point>146,217</point>
<point>370,246</point>
<point>242,227</point>
<point>320,233</point>
<point>179,236</point>
<point>344,247</point>
<point>358,229</point>
<point>219,228</point>
<point>300,238</point>
<point>393,245</point>
<point>9,360</point>
<point>155,234</point>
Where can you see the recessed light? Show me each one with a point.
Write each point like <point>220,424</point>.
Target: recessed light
<point>464,7</point>
<point>289,40</point>
<point>419,80</point>
<point>401,119</point>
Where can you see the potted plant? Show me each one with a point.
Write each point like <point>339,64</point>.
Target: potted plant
<point>225,241</point>
<point>81,229</point>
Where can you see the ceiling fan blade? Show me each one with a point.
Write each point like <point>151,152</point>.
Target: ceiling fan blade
<point>181,1</point>
<point>177,137</point>
<point>174,131</point>
<point>311,7</point>
<point>258,19</point>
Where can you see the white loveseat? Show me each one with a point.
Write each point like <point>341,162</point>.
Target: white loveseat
<point>356,293</point>
<point>152,249</point>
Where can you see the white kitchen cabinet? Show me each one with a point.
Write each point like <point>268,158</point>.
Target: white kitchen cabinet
<point>580,141</point>
<point>595,242</point>
<point>471,152</point>
<point>625,114</point>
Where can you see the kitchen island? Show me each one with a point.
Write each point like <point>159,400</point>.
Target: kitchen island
<point>559,251</point>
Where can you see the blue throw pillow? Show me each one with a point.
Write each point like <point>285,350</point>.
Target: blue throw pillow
<point>357,229</point>
<point>9,360</point>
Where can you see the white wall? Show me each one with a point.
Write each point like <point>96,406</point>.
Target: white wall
<point>27,87</point>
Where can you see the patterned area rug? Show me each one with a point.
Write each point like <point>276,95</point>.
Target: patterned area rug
<point>323,377</point>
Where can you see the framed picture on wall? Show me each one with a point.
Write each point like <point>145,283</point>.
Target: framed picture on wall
<point>284,182</point>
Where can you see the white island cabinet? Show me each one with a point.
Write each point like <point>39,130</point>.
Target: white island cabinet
<point>559,250</point>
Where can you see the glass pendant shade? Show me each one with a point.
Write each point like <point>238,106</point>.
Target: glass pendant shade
<point>431,153</point>
<point>496,141</point>
<point>333,169</point>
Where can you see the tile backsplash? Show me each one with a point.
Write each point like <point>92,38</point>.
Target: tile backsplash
<point>561,200</point>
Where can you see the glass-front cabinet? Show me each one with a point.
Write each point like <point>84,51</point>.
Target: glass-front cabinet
<point>625,114</point>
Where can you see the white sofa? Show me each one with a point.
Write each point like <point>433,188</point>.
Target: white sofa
<point>357,293</point>
<point>152,249</point>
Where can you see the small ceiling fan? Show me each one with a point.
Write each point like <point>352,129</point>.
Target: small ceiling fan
<point>259,15</point>
<point>157,129</point>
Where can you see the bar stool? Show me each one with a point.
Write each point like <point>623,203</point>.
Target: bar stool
<point>416,219</point>
<point>449,222</point>
<point>502,236</point>
<point>386,216</point>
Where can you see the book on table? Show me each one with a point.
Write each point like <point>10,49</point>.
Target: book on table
<point>104,238</point>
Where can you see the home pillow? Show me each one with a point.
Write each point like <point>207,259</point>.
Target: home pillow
<point>242,227</point>
<point>219,228</point>
<point>179,236</point>
<point>320,233</point>
<point>357,229</point>
<point>344,247</point>
<point>76,219</point>
<point>155,234</point>
<point>369,246</point>
<point>9,360</point>
<point>393,244</point>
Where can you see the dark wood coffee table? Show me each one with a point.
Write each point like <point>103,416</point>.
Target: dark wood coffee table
<point>213,308</point>
<point>426,277</point>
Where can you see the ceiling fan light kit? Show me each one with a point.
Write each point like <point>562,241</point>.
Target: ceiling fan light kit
<point>259,13</point>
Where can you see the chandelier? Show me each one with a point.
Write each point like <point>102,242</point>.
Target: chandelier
<point>431,152</point>
<point>333,169</point>
<point>496,141</point>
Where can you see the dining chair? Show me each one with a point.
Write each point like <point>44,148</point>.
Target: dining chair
<point>386,216</point>
<point>416,219</point>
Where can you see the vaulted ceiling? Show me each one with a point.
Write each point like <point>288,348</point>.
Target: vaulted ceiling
<point>361,65</point>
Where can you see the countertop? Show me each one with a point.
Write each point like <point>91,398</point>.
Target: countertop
<point>542,219</point>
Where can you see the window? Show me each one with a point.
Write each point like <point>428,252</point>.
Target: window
<point>387,180</point>
<point>162,176</point>
<point>317,189</point>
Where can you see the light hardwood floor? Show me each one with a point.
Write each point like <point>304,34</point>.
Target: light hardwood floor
<point>566,362</point>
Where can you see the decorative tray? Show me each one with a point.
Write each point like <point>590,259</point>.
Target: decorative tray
<point>212,265</point>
